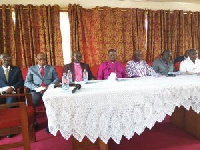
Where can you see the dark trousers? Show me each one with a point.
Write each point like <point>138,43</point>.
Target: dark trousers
<point>36,97</point>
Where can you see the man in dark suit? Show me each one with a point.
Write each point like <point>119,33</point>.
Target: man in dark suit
<point>38,78</point>
<point>77,67</point>
<point>10,77</point>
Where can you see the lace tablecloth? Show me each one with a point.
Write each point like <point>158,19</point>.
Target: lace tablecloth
<point>110,109</point>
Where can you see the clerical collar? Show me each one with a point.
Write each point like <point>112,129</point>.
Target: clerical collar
<point>76,63</point>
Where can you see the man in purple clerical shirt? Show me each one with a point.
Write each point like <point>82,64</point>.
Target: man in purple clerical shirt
<point>106,68</point>
<point>138,67</point>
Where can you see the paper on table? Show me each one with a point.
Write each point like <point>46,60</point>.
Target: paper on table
<point>39,89</point>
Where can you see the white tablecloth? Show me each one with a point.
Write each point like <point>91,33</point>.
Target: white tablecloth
<point>110,109</point>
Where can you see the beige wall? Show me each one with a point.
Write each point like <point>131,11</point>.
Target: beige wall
<point>111,3</point>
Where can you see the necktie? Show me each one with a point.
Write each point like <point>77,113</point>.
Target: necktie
<point>42,71</point>
<point>42,74</point>
<point>6,74</point>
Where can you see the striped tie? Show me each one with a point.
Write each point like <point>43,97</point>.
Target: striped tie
<point>6,74</point>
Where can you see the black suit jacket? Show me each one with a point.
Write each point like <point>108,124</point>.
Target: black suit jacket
<point>83,66</point>
<point>15,78</point>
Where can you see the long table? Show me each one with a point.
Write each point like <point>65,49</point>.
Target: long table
<point>112,109</point>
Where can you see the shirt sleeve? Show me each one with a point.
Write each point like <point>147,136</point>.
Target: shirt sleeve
<point>100,73</point>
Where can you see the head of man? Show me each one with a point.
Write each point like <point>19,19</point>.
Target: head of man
<point>77,57</point>
<point>166,56</point>
<point>112,54</point>
<point>186,53</point>
<point>193,54</point>
<point>137,55</point>
<point>5,59</point>
<point>41,59</point>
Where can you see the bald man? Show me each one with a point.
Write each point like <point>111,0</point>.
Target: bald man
<point>10,77</point>
<point>40,76</point>
<point>77,67</point>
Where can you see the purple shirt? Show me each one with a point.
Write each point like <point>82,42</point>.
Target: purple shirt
<point>106,68</point>
<point>138,69</point>
<point>78,72</point>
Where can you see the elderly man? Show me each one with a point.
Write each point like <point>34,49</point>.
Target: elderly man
<point>192,63</point>
<point>106,68</point>
<point>164,64</point>
<point>10,77</point>
<point>77,67</point>
<point>138,67</point>
<point>38,78</point>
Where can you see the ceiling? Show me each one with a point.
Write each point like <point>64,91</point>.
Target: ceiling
<point>183,1</point>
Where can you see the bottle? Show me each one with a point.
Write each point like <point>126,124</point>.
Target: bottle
<point>69,74</point>
<point>85,75</point>
<point>65,82</point>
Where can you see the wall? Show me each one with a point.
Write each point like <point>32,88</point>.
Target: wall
<point>111,3</point>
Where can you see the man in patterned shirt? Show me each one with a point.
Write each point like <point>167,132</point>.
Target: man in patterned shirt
<point>137,67</point>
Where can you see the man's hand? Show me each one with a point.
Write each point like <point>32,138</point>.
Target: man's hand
<point>9,90</point>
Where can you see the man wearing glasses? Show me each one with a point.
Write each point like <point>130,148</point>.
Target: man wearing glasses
<point>10,78</point>
<point>38,78</point>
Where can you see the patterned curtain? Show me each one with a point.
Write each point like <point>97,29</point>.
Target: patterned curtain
<point>7,44</point>
<point>176,31</point>
<point>95,31</point>
<point>38,30</point>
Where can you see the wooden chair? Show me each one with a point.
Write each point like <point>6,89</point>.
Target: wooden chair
<point>17,118</point>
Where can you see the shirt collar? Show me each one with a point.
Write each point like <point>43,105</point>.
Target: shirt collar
<point>76,63</point>
<point>5,67</point>
<point>41,66</point>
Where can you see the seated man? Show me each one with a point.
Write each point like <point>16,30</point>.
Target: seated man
<point>38,78</point>
<point>181,58</point>
<point>192,63</point>
<point>77,67</point>
<point>138,67</point>
<point>106,68</point>
<point>164,64</point>
<point>10,78</point>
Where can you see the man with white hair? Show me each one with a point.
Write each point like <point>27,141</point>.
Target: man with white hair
<point>192,63</point>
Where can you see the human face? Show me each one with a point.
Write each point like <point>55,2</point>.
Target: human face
<point>77,57</point>
<point>6,60</point>
<point>112,55</point>
<point>193,55</point>
<point>41,59</point>
<point>137,55</point>
<point>166,56</point>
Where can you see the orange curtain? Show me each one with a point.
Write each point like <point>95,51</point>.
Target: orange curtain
<point>95,31</point>
<point>176,31</point>
<point>7,44</point>
<point>38,30</point>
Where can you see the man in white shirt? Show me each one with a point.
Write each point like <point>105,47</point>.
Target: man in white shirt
<point>192,63</point>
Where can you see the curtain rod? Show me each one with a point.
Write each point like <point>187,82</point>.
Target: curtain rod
<point>62,9</point>
<point>65,9</point>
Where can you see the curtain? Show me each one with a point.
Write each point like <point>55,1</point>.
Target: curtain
<point>38,30</point>
<point>95,31</point>
<point>176,31</point>
<point>7,44</point>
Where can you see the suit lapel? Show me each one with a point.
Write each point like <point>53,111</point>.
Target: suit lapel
<point>2,73</point>
<point>46,71</point>
<point>11,72</point>
<point>37,70</point>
